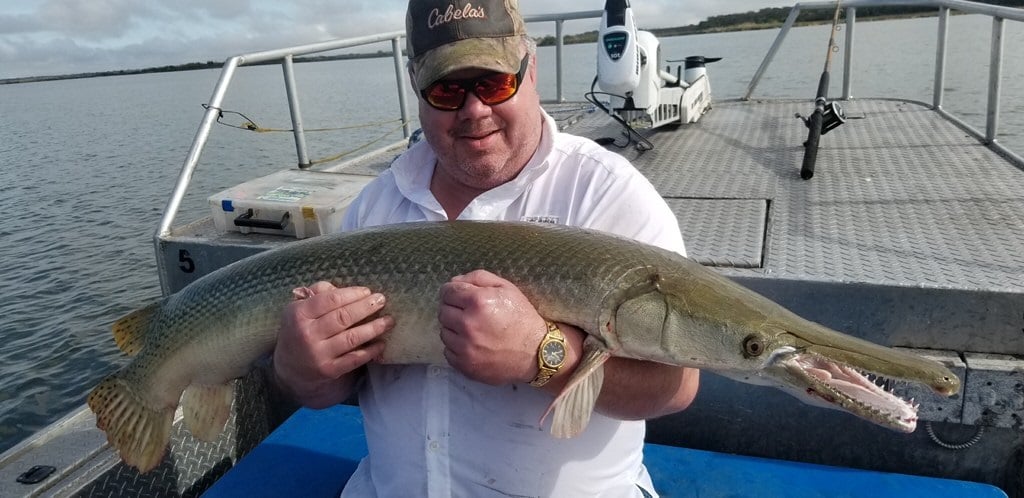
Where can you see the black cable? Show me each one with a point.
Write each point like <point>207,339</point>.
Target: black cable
<point>642,144</point>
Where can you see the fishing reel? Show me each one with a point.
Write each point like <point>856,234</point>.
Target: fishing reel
<point>832,115</point>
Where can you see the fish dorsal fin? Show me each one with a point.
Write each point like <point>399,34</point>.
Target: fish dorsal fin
<point>575,403</point>
<point>130,330</point>
<point>207,408</point>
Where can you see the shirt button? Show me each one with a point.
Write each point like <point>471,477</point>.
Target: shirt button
<point>435,371</point>
<point>434,445</point>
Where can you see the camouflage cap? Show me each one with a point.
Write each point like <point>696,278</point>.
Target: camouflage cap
<point>448,35</point>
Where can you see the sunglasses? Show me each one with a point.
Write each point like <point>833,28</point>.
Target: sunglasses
<point>492,89</point>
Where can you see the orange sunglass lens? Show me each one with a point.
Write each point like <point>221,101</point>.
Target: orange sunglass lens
<point>446,95</point>
<point>496,89</point>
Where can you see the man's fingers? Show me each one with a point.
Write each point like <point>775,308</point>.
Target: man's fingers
<point>481,278</point>
<point>463,295</point>
<point>326,298</point>
<point>356,358</point>
<point>307,292</point>
<point>450,317</point>
<point>350,314</point>
<point>473,289</point>
<point>358,337</point>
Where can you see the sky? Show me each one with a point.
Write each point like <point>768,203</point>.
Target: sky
<point>51,37</point>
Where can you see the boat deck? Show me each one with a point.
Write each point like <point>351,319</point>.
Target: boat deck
<point>897,183</point>
<point>902,200</point>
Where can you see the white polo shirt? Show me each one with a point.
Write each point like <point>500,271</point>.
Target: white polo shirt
<point>434,433</point>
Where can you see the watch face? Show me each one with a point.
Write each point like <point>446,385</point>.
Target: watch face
<point>554,353</point>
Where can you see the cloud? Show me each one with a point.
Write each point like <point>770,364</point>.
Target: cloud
<point>353,18</point>
<point>64,36</point>
<point>220,9</point>
<point>54,56</point>
<point>19,23</point>
<point>92,20</point>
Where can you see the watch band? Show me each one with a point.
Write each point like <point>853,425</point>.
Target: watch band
<point>545,371</point>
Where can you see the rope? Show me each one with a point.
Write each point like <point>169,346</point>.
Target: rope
<point>361,147</point>
<point>250,125</point>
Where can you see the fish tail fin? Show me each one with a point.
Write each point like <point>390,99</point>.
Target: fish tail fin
<point>130,330</point>
<point>139,433</point>
<point>206,409</point>
<point>573,406</point>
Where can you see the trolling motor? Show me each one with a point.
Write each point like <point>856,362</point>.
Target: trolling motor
<point>628,70</point>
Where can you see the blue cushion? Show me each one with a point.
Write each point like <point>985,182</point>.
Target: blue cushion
<point>315,451</point>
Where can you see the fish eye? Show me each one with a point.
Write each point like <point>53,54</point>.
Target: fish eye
<point>753,345</point>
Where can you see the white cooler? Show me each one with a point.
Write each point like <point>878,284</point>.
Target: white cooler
<point>292,202</point>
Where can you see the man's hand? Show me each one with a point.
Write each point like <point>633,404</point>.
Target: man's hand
<point>490,330</point>
<point>491,333</point>
<point>322,341</point>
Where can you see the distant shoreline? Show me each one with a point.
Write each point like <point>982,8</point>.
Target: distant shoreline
<point>192,66</point>
<point>768,18</point>
<point>587,37</point>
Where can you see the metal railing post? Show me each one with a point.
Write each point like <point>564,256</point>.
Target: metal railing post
<point>851,20</point>
<point>196,149</point>
<point>793,13</point>
<point>940,59</point>
<point>994,77</point>
<point>558,60</point>
<point>400,74</point>
<point>293,108</point>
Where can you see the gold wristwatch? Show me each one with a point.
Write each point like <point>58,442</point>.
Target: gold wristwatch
<point>550,355</point>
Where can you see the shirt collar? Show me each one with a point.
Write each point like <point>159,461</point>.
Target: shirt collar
<point>414,169</point>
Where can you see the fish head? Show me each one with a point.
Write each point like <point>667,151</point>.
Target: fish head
<point>710,322</point>
<point>824,368</point>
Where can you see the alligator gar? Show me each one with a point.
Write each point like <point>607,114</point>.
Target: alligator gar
<point>633,300</point>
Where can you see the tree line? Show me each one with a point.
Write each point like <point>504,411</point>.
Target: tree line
<point>772,17</point>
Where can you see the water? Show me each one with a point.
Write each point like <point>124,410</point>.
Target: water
<point>87,166</point>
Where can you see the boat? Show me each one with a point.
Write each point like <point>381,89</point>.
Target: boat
<point>909,233</point>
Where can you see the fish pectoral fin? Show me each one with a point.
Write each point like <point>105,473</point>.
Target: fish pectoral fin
<point>573,406</point>
<point>130,330</point>
<point>139,433</point>
<point>207,408</point>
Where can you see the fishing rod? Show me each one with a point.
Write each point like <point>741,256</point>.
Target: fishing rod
<point>827,116</point>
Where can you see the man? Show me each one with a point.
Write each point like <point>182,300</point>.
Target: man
<point>471,428</point>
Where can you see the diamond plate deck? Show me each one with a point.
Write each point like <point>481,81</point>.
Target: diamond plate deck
<point>722,232</point>
<point>901,195</point>
<point>911,232</point>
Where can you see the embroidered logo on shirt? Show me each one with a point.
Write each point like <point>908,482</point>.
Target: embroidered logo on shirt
<point>540,219</point>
